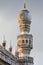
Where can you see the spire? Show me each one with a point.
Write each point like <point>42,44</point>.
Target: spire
<point>4,42</point>
<point>24,5</point>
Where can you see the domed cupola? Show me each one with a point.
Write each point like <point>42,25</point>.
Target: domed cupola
<point>24,20</point>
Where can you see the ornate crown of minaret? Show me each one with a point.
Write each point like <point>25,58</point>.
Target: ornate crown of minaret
<point>24,20</point>
<point>24,40</point>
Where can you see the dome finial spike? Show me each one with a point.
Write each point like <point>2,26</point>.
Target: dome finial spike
<point>24,5</point>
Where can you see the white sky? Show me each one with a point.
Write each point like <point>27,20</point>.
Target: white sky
<point>9,25</point>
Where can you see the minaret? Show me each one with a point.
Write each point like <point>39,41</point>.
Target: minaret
<point>24,40</point>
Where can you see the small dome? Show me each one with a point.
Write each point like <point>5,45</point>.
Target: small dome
<point>24,19</point>
<point>24,15</point>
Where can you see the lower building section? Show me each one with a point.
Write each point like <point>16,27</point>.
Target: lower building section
<point>6,58</point>
<point>3,62</point>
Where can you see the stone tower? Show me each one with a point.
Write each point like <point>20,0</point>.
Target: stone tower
<point>24,40</point>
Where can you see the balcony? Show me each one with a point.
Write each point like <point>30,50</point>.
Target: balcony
<point>25,60</point>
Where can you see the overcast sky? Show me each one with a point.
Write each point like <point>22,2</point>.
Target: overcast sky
<point>9,24</point>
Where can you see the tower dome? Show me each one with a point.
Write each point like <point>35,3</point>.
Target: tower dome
<point>24,15</point>
<point>24,20</point>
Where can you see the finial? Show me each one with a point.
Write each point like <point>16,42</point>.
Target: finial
<point>3,37</point>
<point>10,47</point>
<point>4,42</point>
<point>24,5</point>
